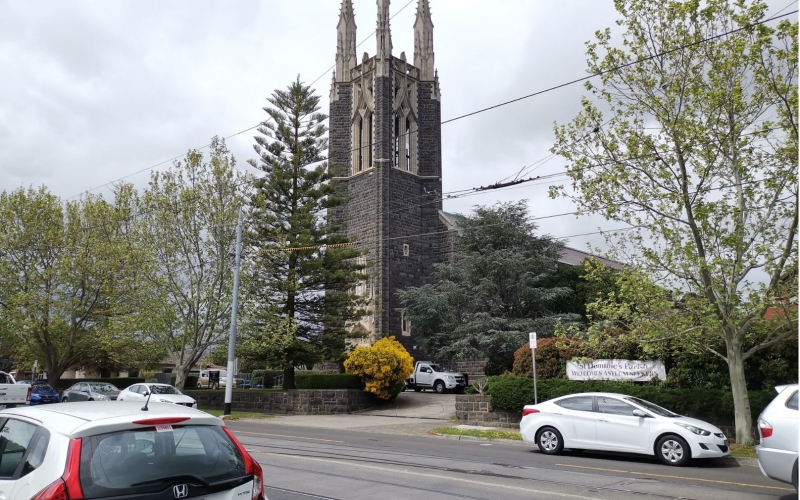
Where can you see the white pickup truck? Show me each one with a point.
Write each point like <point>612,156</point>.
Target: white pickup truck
<point>13,394</point>
<point>429,375</point>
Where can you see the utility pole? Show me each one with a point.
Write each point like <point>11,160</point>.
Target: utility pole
<point>235,303</point>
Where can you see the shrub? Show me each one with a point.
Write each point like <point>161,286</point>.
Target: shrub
<point>119,382</point>
<point>327,381</point>
<point>715,405</point>
<point>190,383</point>
<point>384,366</point>
<point>552,355</point>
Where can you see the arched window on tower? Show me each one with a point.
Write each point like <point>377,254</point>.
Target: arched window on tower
<point>408,145</point>
<point>370,121</point>
<point>358,156</point>
<point>397,141</point>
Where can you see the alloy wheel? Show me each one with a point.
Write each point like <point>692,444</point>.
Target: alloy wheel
<point>549,440</point>
<point>672,450</point>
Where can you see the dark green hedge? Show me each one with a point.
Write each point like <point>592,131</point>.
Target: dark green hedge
<point>715,405</point>
<point>191,381</point>
<point>121,383</point>
<point>327,381</point>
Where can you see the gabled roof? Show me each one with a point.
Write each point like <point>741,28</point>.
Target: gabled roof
<point>569,256</point>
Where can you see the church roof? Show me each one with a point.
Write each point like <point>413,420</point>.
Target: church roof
<point>569,256</point>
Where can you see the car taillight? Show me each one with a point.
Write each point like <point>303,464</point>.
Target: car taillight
<point>764,429</point>
<point>68,486</point>
<point>528,411</point>
<point>28,398</point>
<point>250,467</point>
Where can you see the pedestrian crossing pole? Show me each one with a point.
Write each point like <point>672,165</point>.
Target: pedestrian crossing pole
<point>232,338</point>
<point>532,337</point>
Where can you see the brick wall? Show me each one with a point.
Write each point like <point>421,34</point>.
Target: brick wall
<point>292,402</point>
<point>476,410</point>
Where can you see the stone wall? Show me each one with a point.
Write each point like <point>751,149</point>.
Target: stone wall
<point>476,410</point>
<point>292,402</point>
<point>472,368</point>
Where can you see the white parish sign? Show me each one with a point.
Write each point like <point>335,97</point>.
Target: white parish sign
<point>616,369</point>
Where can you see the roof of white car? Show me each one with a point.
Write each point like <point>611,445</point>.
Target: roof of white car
<point>77,418</point>
<point>599,394</point>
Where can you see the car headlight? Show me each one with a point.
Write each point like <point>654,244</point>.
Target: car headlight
<point>693,429</point>
<point>450,377</point>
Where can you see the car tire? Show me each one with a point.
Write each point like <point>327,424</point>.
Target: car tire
<point>90,399</point>
<point>794,475</point>
<point>549,441</point>
<point>65,400</point>
<point>438,386</point>
<point>673,450</point>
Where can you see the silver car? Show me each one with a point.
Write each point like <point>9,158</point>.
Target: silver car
<point>777,427</point>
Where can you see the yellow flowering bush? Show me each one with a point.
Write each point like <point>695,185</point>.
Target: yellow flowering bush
<point>384,366</point>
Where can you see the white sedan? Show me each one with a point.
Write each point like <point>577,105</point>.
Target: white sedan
<point>617,422</point>
<point>158,393</point>
<point>112,449</point>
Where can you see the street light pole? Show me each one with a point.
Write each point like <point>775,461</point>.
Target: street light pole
<point>232,337</point>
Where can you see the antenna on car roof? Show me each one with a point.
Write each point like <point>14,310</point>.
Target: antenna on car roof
<point>149,393</point>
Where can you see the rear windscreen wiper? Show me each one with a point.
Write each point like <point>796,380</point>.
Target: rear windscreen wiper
<point>177,477</point>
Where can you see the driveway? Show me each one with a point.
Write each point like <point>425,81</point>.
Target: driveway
<point>412,404</point>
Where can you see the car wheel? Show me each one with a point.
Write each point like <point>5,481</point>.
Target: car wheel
<point>550,441</point>
<point>673,450</point>
<point>794,476</point>
<point>90,399</point>
<point>65,400</point>
<point>439,387</point>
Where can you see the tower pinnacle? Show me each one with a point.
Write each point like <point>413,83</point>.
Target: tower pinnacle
<point>345,42</point>
<point>383,35</point>
<point>423,41</point>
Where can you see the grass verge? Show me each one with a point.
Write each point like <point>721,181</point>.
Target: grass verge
<point>477,433</point>
<point>741,451</point>
<point>236,415</point>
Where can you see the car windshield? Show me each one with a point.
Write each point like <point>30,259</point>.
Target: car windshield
<point>437,368</point>
<point>142,461</point>
<point>652,407</point>
<point>164,389</point>
<point>41,386</point>
<point>103,388</point>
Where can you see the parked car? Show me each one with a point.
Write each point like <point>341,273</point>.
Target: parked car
<point>90,391</point>
<point>113,449</point>
<point>206,379</point>
<point>159,393</point>
<point>617,422</point>
<point>777,428</point>
<point>41,392</point>
<point>429,375</point>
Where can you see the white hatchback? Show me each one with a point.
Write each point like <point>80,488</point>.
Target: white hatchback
<point>617,422</point>
<point>113,449</point>
<point>158,393</point>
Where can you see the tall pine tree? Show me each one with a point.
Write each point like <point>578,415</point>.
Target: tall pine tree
<point>301,295</point>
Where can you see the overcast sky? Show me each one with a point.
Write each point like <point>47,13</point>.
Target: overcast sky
<point>94,91</point>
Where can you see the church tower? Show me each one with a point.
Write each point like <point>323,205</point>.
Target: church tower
<point>385,153</point>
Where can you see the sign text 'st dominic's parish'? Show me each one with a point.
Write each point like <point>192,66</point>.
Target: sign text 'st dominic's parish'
<point>616,369</point>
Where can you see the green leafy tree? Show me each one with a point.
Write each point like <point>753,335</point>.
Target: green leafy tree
<point>484,304</point>
<point>63,279</point>
<point>296,287</point>
<point>187,226</point>
<point>697,149</point>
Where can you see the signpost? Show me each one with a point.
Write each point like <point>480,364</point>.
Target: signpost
<point>532,337</point>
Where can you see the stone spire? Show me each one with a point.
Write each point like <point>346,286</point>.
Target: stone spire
<point>345,42</point>
<point>384,37</point>
<point>423,41</point>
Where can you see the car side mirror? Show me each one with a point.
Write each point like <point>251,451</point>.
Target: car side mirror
<point>146,394</point>
<point>639,413</point>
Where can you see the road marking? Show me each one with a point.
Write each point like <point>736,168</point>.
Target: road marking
<point>431,476</point>
<point>286,436</point>
<point>678,477</point>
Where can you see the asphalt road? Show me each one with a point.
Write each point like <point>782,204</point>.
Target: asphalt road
<point>306,463</point>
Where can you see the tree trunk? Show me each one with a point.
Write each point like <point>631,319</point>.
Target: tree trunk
<point>181,372</point>
<point>741,400</point>
<point>288,379</point>
<point>53,377</point>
